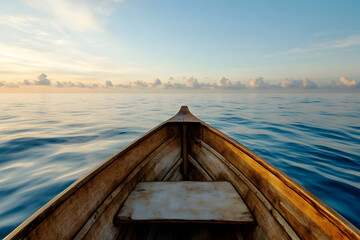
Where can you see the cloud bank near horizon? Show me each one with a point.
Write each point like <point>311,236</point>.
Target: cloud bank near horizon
<point>190,83</point>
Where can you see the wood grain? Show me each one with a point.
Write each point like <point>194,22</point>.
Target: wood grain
<point>188,201</point>
<point>104,228</point>
<point>63,216</point>
<point>219,172</point>
<point>163,150</point>
<point>307,215</point>
<point>197,172</point>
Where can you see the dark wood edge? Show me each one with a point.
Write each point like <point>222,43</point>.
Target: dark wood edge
<point>120,220</point>
<point>334,217</point>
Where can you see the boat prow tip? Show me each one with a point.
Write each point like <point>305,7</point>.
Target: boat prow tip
<point>184,115</point>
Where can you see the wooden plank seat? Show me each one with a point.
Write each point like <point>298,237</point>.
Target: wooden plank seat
<point>185,201</point>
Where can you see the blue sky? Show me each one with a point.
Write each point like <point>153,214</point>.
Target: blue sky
<point>127,41</point>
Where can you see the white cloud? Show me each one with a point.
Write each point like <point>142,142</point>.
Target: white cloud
<point>350,41</point>
<point>195,84</point>
<point>59,84</point>
<point>346,42</point>
<point>259,83</point>
<point>42,80</point>
<point>349,83</point>
<point>190,83</point>
<point>105,7</point>
<point>170,85</point>
<point>139,84</point>
<point>8,84</point>
<point>109,84</point>
<point>226,83</point>
<point>18,59</point>
<point>75,15</point>
<point>27,82</point>
<point>308,84</point>
<point>70,84</point>
<point>223,82</point>
<point>304,83</point>
<point>156,83</point>
<point>289,83</point>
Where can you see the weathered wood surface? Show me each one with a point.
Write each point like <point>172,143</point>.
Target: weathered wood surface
<point>63,216</point>
<point>306,214</point>
<point>168,151</point>
<point>267,226</point>
<point>176,176</point>
<point>173,171</point>
<point>197,172</point>
<point>212,202</point>
<point>104,228</point>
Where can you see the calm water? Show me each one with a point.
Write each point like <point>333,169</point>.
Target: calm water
<point>47,141</point>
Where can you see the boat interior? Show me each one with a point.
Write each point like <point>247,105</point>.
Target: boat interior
<point>185,150</point>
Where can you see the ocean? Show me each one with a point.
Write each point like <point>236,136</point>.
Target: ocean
<point>47,141</point>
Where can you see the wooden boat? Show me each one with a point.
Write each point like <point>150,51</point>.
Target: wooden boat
<point>185,150</point>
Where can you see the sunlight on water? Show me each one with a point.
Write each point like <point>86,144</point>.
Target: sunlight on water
<point>47,141</point>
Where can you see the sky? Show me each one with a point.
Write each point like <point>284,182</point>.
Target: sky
<point>187,44</point>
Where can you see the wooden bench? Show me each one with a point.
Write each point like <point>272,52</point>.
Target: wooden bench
<point>186,201</point>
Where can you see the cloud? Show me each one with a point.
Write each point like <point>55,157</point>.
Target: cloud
<point>70,84</point>
<point>304,83</point>
<point>122,85</point>
<point>106,7</point>
<point>350,41</point>
<point>38,42</point>
<point>139,84</point>
<point>223,82</point>
<point>170,85</point>
<point>349,83</point>
<point>59,84</point>
<point>260,83</point>
<point>188,84</point>
<point>195,84</point>
<point>27,82</point>
<point>191,83</point>
<point>308,84</point>
<point>42,80</point>
<point>75,15</point>
<point>109,84</point>
<point>156,83</point>
<point>226,83</point>
<point>8,84</point>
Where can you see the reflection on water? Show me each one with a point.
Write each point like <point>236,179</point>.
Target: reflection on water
<point>47,141</point>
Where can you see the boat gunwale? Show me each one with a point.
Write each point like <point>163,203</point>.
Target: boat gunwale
<point>40,215</point>
<point>326,211</point>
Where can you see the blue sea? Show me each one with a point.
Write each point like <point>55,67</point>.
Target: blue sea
<point>47,141</point>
